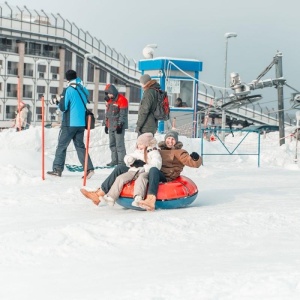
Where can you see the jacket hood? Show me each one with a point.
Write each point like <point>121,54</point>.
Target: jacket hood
<point>111,89</point>
<point>152,84</point>
<point>163,146</point>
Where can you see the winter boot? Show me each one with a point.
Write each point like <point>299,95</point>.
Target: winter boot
<point>148,203</point>
<point>93,195</point>
<point>55,172</point>
<point>136,201</point>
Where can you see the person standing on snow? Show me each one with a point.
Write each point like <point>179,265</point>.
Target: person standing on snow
<point>21,118</point>
<point>73,124</point>
<point>116,121</point>
<point>146,121</point>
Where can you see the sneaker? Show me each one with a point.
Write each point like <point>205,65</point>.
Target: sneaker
<point>136,201</point>
<point>89,174</point>
<point>109,200</point>
<point>111,164</point>
<point>55,172</point>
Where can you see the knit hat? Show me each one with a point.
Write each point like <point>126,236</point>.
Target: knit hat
<point>146,139</point>
<point>145,78</point>
<point>173,134</point>
<point>70,75</point>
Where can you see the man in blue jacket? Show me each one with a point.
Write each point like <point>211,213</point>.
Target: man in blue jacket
<point>72,104</point>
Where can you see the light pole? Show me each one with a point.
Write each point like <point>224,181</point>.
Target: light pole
<point>227,36</point>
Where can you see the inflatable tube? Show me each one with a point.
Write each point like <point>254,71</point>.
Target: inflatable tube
<point>178,193</point>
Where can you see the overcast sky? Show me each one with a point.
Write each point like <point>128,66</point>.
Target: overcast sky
<point>195,29</point>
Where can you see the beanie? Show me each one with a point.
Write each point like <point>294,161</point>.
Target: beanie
<point>146,139</point>
<point>173,134</point>
<point>145,78</point>
<point>70,75</point>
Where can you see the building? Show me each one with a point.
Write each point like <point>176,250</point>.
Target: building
<point>35,52</point>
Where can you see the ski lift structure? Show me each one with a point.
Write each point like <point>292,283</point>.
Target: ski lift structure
<point>242,92</point>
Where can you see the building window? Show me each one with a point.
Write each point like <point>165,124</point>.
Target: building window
<point>27,91</point>
<point>41,89</point>
<point>68,60</point>
<point>91,95</point>
<point>79,66</point>
<point>53,90</point>
<point>10,111</point>
<point>116,80</point>
<point>54,70</point>
<point>135,94</point>
<point>90,73</point>
<point>101,96</point>
<point>11,90</point>
<point>42,68</point>
<point>103,76</point>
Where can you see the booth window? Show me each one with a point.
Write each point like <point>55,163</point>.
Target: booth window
<point>181,92</point>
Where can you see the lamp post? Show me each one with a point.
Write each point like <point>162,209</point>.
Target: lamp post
<point>37,62</point>
<point>227,36</point>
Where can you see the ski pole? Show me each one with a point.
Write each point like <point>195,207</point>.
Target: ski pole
<point>296,151</point>
<point>43,138</point>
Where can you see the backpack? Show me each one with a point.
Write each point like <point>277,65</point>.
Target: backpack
<point>162,110</point>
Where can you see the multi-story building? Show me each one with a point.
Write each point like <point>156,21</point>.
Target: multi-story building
<point>35,52</point>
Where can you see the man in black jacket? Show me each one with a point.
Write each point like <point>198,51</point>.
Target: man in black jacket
<point>146,121</point>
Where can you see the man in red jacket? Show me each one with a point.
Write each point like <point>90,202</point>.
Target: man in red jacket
<point>116,121</point>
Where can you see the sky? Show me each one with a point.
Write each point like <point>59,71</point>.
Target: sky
<point>239,240</point>
<point>195,29</point>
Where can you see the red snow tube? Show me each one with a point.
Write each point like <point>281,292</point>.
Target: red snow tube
<point>180,192</point>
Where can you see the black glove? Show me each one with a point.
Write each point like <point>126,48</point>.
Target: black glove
<point>194,156</point>
<point>138,163</point>
<point>106,129</point>
<point>119,128</point>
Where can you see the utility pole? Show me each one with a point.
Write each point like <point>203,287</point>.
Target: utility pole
<point>279,74</point>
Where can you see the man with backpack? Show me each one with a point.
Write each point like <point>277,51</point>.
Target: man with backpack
<point>146,121</point>
<point>72,104</point>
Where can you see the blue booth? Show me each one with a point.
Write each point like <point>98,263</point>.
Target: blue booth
<point>179,77</point>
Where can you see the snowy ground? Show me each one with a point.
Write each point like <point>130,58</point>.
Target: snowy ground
<point>240,239</point>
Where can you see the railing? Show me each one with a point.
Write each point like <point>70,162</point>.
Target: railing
<point>6,48</point>
<point>60,30</point>
<point>42,53</point>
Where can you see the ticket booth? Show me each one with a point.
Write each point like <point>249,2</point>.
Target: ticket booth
<point>179,77</point>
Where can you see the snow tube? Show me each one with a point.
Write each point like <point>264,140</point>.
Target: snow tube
<point>178,193</point>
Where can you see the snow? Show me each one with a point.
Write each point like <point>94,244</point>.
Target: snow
<point>240,239</point>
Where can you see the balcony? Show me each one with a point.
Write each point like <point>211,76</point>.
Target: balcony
<point>38,52</point>
<point>8,48</point>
